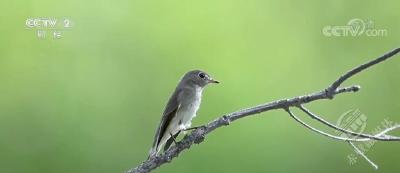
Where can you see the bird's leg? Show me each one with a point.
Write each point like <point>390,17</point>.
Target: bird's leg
<point>173,138</point>
<point>192,128</point>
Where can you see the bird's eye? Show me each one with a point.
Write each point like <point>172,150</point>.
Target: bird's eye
<point>202,75</point>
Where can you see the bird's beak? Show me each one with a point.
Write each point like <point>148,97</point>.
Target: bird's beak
<point>213,81</point>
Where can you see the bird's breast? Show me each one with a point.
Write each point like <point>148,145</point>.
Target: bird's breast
<point>189,108</point>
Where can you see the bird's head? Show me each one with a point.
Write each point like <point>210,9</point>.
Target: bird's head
<point>199,78</point>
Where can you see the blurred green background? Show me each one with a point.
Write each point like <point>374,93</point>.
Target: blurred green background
<point>91,101</point>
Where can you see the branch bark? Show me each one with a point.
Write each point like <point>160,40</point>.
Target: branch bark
<point>197,136</point>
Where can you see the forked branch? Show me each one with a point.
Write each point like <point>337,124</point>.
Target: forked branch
<point>197,136</point>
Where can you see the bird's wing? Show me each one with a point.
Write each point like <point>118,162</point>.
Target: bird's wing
<point>169,113</point>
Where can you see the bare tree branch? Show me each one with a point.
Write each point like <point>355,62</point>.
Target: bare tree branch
<point>198,135</point>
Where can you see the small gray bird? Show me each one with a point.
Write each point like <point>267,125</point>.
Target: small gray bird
<point>181,108</point>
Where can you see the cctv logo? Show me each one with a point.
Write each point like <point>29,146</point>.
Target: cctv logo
<point>46,23</point>
<point>41,23</point>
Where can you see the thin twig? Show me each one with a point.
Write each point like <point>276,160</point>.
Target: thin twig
<point>358,151</point>
<point>379,137</point>
<point>198,135</point>
<point>360,68</point>
<point>364,137</point>
<point>322,132</point>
